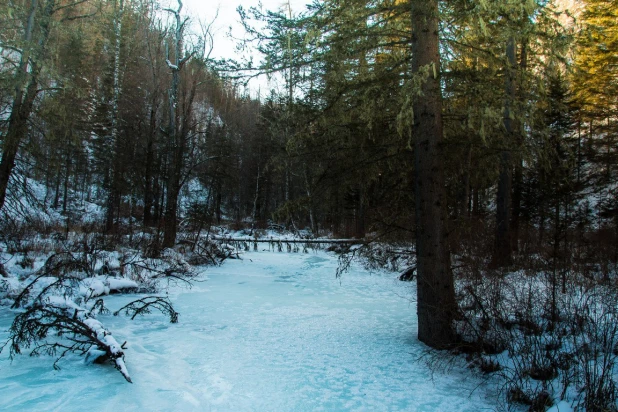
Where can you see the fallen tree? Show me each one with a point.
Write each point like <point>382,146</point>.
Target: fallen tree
<point>60,327</point>
<point>58,306</point>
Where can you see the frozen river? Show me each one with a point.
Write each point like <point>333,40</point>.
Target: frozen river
<point>270,332</point>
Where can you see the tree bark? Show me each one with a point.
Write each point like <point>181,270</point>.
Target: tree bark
<point>23,100</point>
<point>115,193</point>
<point>503,246</point>
<point>519,166</point>
<point>436,297</point>
<point>149,195</point>
<point>174,164</point>
<point>150,172</point>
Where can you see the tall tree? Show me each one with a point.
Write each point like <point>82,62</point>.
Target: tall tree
<point>36,30</point>
<point>502,249</point>
<point>436,295</point>
<point>114,195</point>
<point>176,60</point>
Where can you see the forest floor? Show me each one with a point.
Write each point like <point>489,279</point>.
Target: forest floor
<point>271,331</point>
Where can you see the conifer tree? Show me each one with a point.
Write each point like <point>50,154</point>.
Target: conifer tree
<point>435,294</point>
<point>595,79</point>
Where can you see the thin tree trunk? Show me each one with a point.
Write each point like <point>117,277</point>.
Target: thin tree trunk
<point>502,248</point>
<point>608,140</point>
<point>115,194</point>
<point>519,166</point>
<point>148,178</point>
<point>359,227</point>
<point>579,151</point>
<point>256,198</point>
<point>556,249</point>
<point>176,139</point>
<point>67,172</point>
<point>476,207</point>
<point>464,202</point>
<point>173,180</point>
<point>57,188</point>
<point>436,297</point>
<point>516,204</point>
<point>218,202</point>
<point>312,221</point>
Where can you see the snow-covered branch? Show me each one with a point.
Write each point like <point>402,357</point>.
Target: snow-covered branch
<point>171,65</point>
<point>145,305</point>
<point>58,327</point>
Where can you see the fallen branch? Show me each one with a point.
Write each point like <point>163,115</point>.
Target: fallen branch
<point>65,284</point>
<point>72,331</point>
<point>145,305</point>
<point>272,240</point>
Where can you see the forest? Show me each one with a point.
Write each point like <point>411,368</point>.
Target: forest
<point>468,146</point>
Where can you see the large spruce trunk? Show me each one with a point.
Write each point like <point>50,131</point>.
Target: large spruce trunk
<point>436,297</point>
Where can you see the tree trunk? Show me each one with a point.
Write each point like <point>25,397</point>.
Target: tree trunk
<point>502,248</point>
<point>170,226</point>
<point>436,297</point>
<point>175,149</point>
<point>359,218</point>
<point>115,193</point>
<point>23,99</point>
<point>148,190</point>
<point>579,151</point>
<point>18,128</point>
<point>312,220</point>
<point>149,195</point>
<point>463,206</point>
<point>516,204</point>
<point>65,194</point>
<point>476,206</point>
<point>254,212</point>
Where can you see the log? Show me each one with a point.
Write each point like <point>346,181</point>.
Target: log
<point>302,241</point>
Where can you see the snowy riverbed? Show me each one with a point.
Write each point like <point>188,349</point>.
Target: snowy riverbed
<point>271,332</point>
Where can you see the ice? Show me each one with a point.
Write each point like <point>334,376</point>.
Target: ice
<point>270,332</point>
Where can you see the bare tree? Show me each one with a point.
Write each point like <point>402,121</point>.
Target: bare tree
<point>176,59</point>
<point>180,122</point>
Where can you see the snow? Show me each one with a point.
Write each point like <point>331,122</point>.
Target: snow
<point>62,302</point>
<point>102,285</point>
<point>273,331</point>
<point>119,283</point>
<point>92,287</point>
<point>561,406</point>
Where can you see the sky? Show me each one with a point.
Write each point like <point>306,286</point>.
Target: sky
<point>224,46</point>
<point>227,17</point>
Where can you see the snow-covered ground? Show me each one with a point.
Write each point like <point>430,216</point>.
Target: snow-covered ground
<point>271,332</point>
